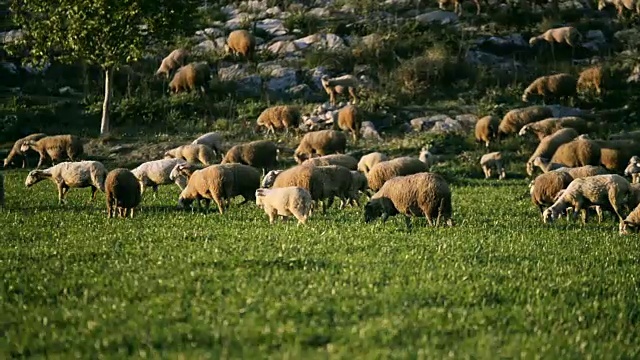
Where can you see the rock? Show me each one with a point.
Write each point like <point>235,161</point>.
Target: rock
<point>232,73</point>
<point>319,12</point>
<point>250,85</point>
<point>324,41</point>
<point>302,91</point>
<point>237,21</point>
<point>67,90</point>
<point>10,67</point>
<point>274,11</point>
<point>446,126</point>
<point>467,119</point>
<point>209,33</point>
<point>628,37</point>
<point>595,40</point>
<point>283,47</point>
<point>369,132</point>
<point>206,46</point>
<point>281,79</point>
<point>254,5</point>
<point>419,124</point>
<point>316,76</point>
<point>274,27</point>
<point>11,36</point>
<point>439,16</point>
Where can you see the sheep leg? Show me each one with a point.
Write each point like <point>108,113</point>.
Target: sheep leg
<point>131,211</point>
<point>40,161</point>
<point>585,216</point>
<point>93,192</point>
<point>62,191</point>
<point>155,191</point>
<point>477,7</point>
<point>332,97</point>
<point>221,203</point>
<point>352,93</point>
<point>599,212</point>
<point>407,220</point>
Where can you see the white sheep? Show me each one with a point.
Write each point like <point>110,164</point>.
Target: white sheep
<point>71,174</point>
<point>158,172</point>
<point>285,202</point>
<point>633,169</point>
<point>493,161</point>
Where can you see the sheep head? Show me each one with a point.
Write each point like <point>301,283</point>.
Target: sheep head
<point>533,41</point>
<point>381,207</point>
<point>26,145</point>
<point>549,215</point>
<point>270,178</point>
<point>601,4</point>
<point>626,226</point>
<point>631,169</point>
<point>34,177</point>
<point>6,162</point>
<point>524,130</point>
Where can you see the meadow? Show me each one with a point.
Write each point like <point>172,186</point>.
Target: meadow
<point>183,284</point>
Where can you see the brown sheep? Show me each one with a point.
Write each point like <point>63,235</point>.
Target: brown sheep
<point>193,76</point>
<point>241,42</point>
<point>173,61</point>
<point>338,184</point>
<point>592,78</point>
<point>549,126</point>
<point>337,85</point>
<point>56,148</point>
<point>261,154</point>
<point>579,152</point>
<point>621,5</point>
<point>487,129</point>
<point>321,142</point>
<point>122,192</point>
<point>552,87</point>
<point>279,117</point>
<point>545,187</point>
<point>563,35</point>
<point>17,154</point>
<point>349,120</point>
<point>615,154</point>
<point>347,161</point>
<point>192,153</point>
<point>549,145</point>
<point>515,119</point>
<point>307,177</point>
<point>631,222</point>
<point>383,171</point>
<point>370,160</point>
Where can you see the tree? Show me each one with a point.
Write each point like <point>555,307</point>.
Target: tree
<point>104,33</point>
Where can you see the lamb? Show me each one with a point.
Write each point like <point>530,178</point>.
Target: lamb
<point>173,61</point>
<point>310,178</point>
<point>192,153</point>
<point>158,172</point>
<point>457,8</point>
<point>631,222</point>
<point>359,185</point>
<point>321,142</point>
<point>286,201</point>
<point>262,154</point>
<point>633,169</point>
<point>487,129</point>
<point>545,187</point>
<point>370,160</point>
<point>221,183</point>
<point>493,161</point>
<point>421,194</point>
<point>337,85</point>
<point>55,147</point>
<point>552,87</point>
<point>383,171</point>
<point>269,178</point>
<point>592,78</point>
<point>608,191</point>
<point>349,120</point>
<point>347,161</point>
<point>241,42</point>
<point>67,175</point>
<point>549,145</point>
<point>279,117</point>
<point>549,126</point>
<point>562,35</point>
<point>616,154</point>
<point>515,119</point>
<point>16,153</point>
<point>122,192</point>
<point>210,139</point>
<point>427,157</point>
<point>193,76</point>
<point>578,152</point>
<point>620,5</point>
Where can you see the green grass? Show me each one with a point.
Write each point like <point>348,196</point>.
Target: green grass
<point>167,283</point>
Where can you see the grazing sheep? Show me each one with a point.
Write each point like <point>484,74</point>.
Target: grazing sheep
<point>16,153</point>
<point>261,154</point>
<point>122,192</point>
<point>269,178</point>
<point>549,126</point>
<point>173,61</point>
<point>158,172</point>
<point>631,222</point>
<point>286,201</point>
<point>487,129</point>
<point>310,178</point>
<point>610,192</point>
<point>279,117</point>
<point>370,160</point>
<point>212,140</point>
<point>549,145</point>
<point>337,184</point>
<point>616,154</point>
<point>545,165</point>
<point>515,119</point>
<point>545,187</point>
<point>66,175</point>
<point>349,120</point>
<point>241,42</point>
<point>633,169</point>
<point>457,8</point>
<point>563,35</point>
<point>337,85</point>
<point>321,142</point>
<point>184,170</point>
<point>359,185</point>
<point>192,153</point>
<point>56,148</point>
<point>493,161</point>
<point>347,161</point>
<point>592,78</point>
<point>626,135</point>
<point>620,5</point>
<point>552,87</point>
<point>422,194</point>
<point>193,76</point>
<point>383,171</point>
<point>583,171</point>
<point>578,152</point>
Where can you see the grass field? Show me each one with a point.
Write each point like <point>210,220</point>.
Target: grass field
<point>193,285</point>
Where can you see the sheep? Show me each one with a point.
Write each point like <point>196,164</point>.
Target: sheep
<point>55,147</point>
<point>486,129</point>
<point>631,222</point>
<point>608,191</point>
<point>583,171</point>
<point>457,8</point>
<point>515,119</point>
<point>633,169</point>
<point>370,160</point>
<point>66,175</point>
<point>321,142</point>
<point>616,154</point>
<point>337,184</point>
<point>122,192</point>
<point>173,61</point>
<point>310,178</point>
<point>269,178</point>
<point>158,172</point>
<point>193,76</point>
<point>427,157</point>
<point>210,139</point>
<point>592,78</point>
<point>422,194</point>
<point>279,117</point>
<point>359,185</point>
<point>16,153</point>
<point>545,187</point>
<point>262,154</point>
<point>383,171</point>
<point>192,153</point>
<point>551,87</point>
<point>620,5</point>
<point>337,85</point>
<point>184,170</point>
<point>578,152</point>
<point>626,135</point>
<point>549,126</point>
<point>286,201</point>
<point>347,161</point>
<point>545,165</point>
<point>493,161</point>
<point>549,145</point>
<point>563,35</point>
<point>241,42</point>
<point>349,120</point>
<point>221,183</point>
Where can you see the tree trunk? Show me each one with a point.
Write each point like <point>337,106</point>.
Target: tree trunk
<point>106,105</point>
